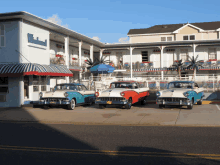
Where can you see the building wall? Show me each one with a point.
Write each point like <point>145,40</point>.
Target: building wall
<point>9,53</point>
<point>149,38</point>
<point>34,53</point>
<point>15,96</point>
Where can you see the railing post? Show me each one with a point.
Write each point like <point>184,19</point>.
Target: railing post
<point>213,83</point>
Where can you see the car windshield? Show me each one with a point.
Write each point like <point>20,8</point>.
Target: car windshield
<point>186,85</point>
<point>121,85</point>
<point>65,87</point>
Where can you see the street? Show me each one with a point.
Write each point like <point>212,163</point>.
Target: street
<point>36,143</point>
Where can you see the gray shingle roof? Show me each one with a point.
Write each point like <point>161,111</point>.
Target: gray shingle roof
<point>173,27</point>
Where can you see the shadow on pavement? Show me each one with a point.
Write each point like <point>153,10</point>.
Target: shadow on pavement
<point>35,143</point>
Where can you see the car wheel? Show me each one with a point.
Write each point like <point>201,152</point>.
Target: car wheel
<point>144,101</point>
<point>199,102</point>
<point>72,104</point>
<point>161,106</point>
<point>102,106</point>
<point>129,103</point>
<point>191,105</point>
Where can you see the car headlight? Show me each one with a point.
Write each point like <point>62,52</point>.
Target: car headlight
<point>122,94</point>
<point>41,94</point>
<point>158,94</point>
<point>66,94</point>
<point>186,94</point>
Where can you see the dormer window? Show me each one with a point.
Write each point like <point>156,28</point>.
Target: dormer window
<point>189,37</point>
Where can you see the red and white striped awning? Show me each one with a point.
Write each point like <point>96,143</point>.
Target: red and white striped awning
<point>22,69</point>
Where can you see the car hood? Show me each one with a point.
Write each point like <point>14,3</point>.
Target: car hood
<point>55,94</point>
<point>173,92</point>
<point>112,92</point>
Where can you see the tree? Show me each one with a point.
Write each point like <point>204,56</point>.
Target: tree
<point>178,66</point>
<point>194,64</point>
<point>97,61</point>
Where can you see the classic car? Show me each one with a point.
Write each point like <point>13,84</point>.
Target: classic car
<point>181,93</point>
<point>67,94</point>
<point>123,93</point>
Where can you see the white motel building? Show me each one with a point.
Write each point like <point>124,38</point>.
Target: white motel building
<point>36,54</point>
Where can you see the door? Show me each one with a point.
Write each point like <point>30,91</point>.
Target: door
<point>26,87</point>
<point>119,60</point>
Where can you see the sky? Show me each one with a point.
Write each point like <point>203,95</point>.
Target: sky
<point>109,21</point>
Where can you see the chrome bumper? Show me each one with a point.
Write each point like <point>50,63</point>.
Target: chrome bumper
<point>60,102</point>
<point>180,102</point>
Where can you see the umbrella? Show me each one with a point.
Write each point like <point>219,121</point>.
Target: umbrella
<point>102,68</point>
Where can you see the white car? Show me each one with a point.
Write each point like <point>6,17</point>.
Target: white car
<point>123,93</point>
<point>67,94</point>
<point>182,93</point>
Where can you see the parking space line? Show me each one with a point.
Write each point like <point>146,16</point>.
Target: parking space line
<point>217,107</point>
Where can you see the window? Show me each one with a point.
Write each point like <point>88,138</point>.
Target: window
<point>189,37</point>
<point>184,54</point>
<point>2,35</point>
<point>163,38</point>
<point>166,38</point>
<point>144,56</point>
<point>169,38</point>
<point>185,37</point>
<point>192,37</point>
<point>212,53</point>
<point>3,84</point>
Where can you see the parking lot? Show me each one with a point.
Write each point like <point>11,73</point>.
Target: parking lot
<point>200,115</point>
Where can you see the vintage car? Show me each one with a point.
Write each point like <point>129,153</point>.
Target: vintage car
<point>181,93</point>
<point>123,93</point>
<point>67,94</point>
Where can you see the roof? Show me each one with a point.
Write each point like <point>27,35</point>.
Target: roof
<point>22,69</point>
<point>49,25</point>
<point>172,27</point>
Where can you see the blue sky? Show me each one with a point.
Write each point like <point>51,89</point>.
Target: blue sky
<point>110,20</point>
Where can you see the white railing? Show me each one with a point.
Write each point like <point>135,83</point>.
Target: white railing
<point>209,82</point>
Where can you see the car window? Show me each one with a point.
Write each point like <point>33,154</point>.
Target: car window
<point>196,85</point>
<point>73,87</point>
<point>84,88</point>
<point>81,88</point>
<point>187,85</point>
<point>121,85</point>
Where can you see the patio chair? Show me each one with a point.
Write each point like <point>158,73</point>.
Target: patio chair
<point>127,66</point>
<point>142,66</point>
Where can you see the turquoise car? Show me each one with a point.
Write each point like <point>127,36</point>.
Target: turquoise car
<point>181,93</point>
<point>67,94</point>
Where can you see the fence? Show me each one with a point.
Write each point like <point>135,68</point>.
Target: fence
<point>210,83</point>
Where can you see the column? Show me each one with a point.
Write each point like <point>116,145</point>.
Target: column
<point>194,54</point>
<point>161,60</point>
<point>91,57</point>
<point>91,53</point>
<point>131,49</point>
<point>67,56</point>
<point>101,51</point>
<point>80,60</point>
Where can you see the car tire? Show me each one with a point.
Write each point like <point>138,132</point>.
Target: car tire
<point>161,106</point>
<point>129,103</point>
<point>199,102</point>
<point>144,101</point>
<point>72,105</point>
<point>191,105</point>
<point>102,106</point>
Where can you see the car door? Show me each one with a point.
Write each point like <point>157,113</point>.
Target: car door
<point>87,95</point>
<point>198,92</point>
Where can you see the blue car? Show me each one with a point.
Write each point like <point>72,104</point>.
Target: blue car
<point>182,93</point>
<point>67,94</point>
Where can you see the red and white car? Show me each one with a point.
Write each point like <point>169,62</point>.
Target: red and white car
<point>123,93</point>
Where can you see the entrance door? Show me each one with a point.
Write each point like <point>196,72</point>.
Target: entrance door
<point>26,87</point>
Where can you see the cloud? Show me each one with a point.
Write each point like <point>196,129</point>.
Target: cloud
<point>55,19</point>
<point>96,38</point>
<point>123,40</point>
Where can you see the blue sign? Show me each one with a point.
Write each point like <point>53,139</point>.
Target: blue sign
<point>32,40</point>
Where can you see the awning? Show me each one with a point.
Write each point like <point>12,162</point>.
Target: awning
<point>74,68</point>
<point>22,69</point>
